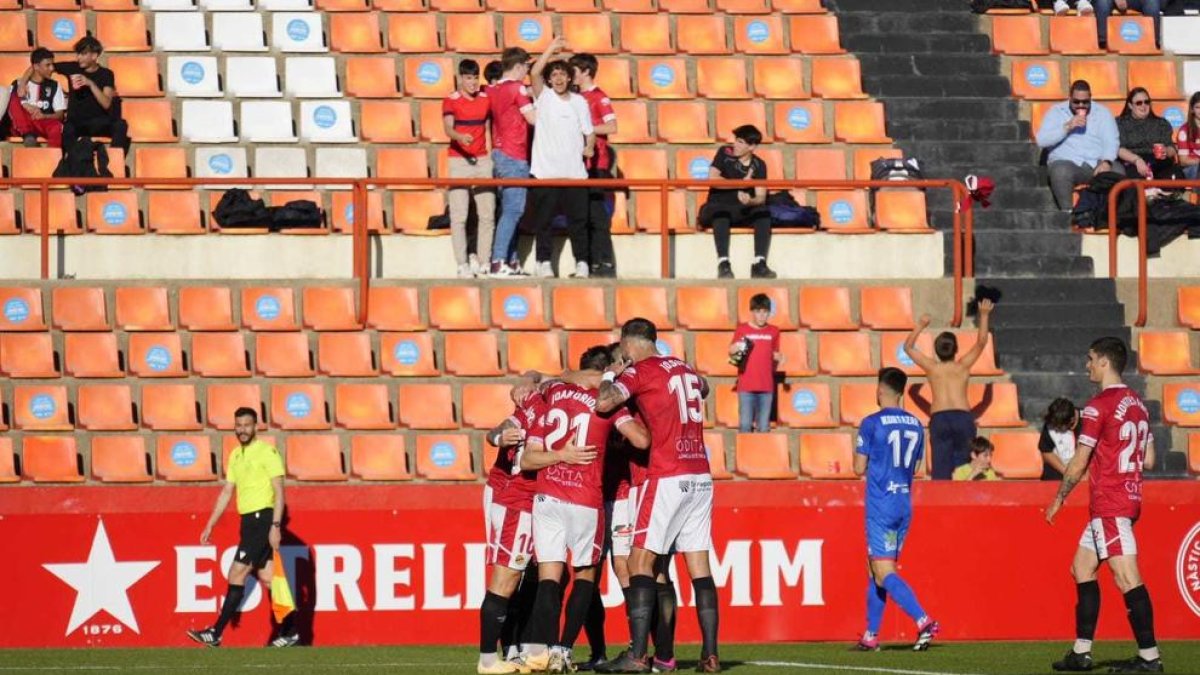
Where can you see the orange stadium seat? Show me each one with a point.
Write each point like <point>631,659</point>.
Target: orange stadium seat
<point>394,308</point>
<point>363,407</point>
<point>1181,403</point>
<point>844,354</point>
<point>591,33</point>
<point>328,308</point>
<point>1131,35</point>
<point>345,355</point>
<point>995,404</point>
<point>901,211</point>
<point>844,211</point>
<point>1037,79</point>
<point>225,399</point>
<point>648,212</point>
<point>726,407</point>
<point>34,163</point>
<point>669,344</point>
<point>113,213</point>
<point>411,211</point>
<point>138,75</point>
<point>314,457</point>
<point>731,114</point>
<point>184,458</point>
<point>343,212</point>
<point>14,34</point>
<point>123,32</point>
<point>22,310</point>
<point>892,355</point>
<point>639,163</point>
<point>62,218</point>
<point>149,120</point>
<point>759,35</point>
<point>155,355</point>
<point>1101,74</point>
<point>427,76</point>
<point>27,355</point>
<point>580,308</point>
<point>372,77</point>
<point>426,406</point>
<point>1019,35</point>
<point>1188,306</point>
<point>714,444</point>
<point>120,459</point>
<point>859,122</point>
<point>683,122</point>
<point>174,213</point>
<point>485,405</point>
<point>837,78</point>
<point>1165,353</point>
<point>471,33</point>
<point>282,355</point>
<point>58,31</point>
<point>806,406</point>
<point>91,355</point>
<point>356,33</point>
<point>664,78</point>
<point>572,6</point>
<point>1074,36</point>
<point>343,5</point>
<point>455,308</point>
<point>886,307</point>
<point>51,459</point>
<point>826,308</point>
<point>8,214</point>
<point>456,5</point>
<point>684,6</point>
<point>802,122</point>
<point>219,355</point>
<point>763,456</point>
<point>387,122</point>
<point>794,347</point>
<point>79,308</point>
<point>827,455</point>
<point>1158,77</point>
<point>815,34</point>
<point>782,316</point>
<point>779,78</point>
<point>579,342</point>
<point>986,364</point>
<point>472,354</point>
<point>614,76</point>
<point>629,6</point>
<point>299,407</point>
<point>531,32</point>
<point>864,157</point>
<point>399,5</point>
<point>8,462</point>
<point>444,457</point>
<point>518,308</point>
<point>268,309</point>
<point>537,350</point>
<point>204,308</point>
<point>703,308</point>
<point>744,6</point>
<point>1193,453</point>
<point>40,408</point>
<point>699,34</point>
<point>433,128</point>
<point>105,407</point>
<point>646,34</point>
<point>407,355</point>
<point>648,302</point>
<point>170,407</point>
<point>856,400</point>
<point>143,308</point>
<point>379,457</point>
<point>798,6</point>
<point>1015,454</point>
<point>712,353</point>
<point>722,78</point>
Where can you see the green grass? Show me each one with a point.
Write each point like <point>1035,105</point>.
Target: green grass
<point>974,658</point>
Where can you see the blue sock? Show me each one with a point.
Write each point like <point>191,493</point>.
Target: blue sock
<point>904,596</point>
<point>876,601</point>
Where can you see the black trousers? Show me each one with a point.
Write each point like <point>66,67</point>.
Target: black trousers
<point>599,223</point>
<point>547,202</point>
<point>721,217</point>
<point>116,129</point>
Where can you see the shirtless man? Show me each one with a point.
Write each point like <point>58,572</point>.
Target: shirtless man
<point>951,424</point>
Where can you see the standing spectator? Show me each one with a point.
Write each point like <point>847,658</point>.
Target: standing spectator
<point>1082,7</point>
<point>980,466</point>
<point>492,72</point>
<point>601,259</point>
<point>564,139</point>
<point>1057,442</point>
<point>40,110</point>
<point>1150,8</point>
<point>92,107</point>
<point>1146,147</point>
<point>1082,140</point>
<point>755,349</point>
<point>464,115</point>
<point>1187,139</point>
<point>512,115</point>
<point>726,208</point>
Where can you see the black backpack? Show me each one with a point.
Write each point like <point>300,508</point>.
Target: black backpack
<point>787,212</point>
<point>238,209</point>
<point>1091,211</point>
<point>896,168</point>
<point>84,158</point>
<point>982,6</point>
<point>301,213</point>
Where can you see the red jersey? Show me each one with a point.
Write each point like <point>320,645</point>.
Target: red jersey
<point>602,113</point>
<point>510,129</point>
<point>470,115</point>
<point>518,488</point>
<point>571,409</point>
<point>667,391</point>
<point>1116,425</point>
<point>757,372</point>
<point>622,463</point>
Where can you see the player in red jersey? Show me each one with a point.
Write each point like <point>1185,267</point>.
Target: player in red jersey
<point>675,508</point>
<point>1114,437</point>
<point>567,449</point>
<point>602,262</point>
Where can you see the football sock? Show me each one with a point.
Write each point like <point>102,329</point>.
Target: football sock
<point>578,607</point>
<point>876,602</point>
<point>1141,619</point>
<point>664,622</point>
<point>904,596</point>
<point>491,621</point>
<point>1087,612</point>
<point>233,600</point>
<point>642,599</point>
<point>594,626</point>
<point>706,611</point>
<point>520,608</point>
<point>547,610</point>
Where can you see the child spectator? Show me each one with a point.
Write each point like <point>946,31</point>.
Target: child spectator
<point>726,208</point>
<point>92,107</point>
<point>40,111</point>
<point>1187,139</point>
<point>980,466</point>
<point>512,116</point>
<point>465,115</point>
<point>492,72</point>
<point>755,351</point>
<point>1058,438</point>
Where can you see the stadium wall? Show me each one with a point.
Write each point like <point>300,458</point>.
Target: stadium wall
<point>123,567</point>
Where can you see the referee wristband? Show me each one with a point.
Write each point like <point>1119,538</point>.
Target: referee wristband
<point>608,376</point>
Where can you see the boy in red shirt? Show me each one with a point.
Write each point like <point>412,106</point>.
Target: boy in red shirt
<point>601,260</point>
<point>755,350</point>
<point>465,114</point>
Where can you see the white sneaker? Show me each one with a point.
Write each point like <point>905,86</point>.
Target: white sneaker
<point>581,270</point>
<point>476,268</point>
<point>464,272</point>
<point>1061,7</point>
<point>1084,8</point>
<point>544,270</point>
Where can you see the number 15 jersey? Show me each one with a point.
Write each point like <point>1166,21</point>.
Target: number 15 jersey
<point>1116,425</point>
<point>668,394</point>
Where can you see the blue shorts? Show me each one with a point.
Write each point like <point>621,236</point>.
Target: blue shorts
<point>885,535</point>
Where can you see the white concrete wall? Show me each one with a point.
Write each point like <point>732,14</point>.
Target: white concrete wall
<point>1180,258</point>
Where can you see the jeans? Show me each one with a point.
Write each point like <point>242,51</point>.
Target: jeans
<point>1151,8</point>
<point>512,206</point>
<point>754,409</point>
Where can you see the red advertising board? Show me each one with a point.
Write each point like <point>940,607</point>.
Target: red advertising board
<point>123,566</point>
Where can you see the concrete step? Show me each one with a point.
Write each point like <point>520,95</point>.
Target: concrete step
<point>924,85</point>
<point>1051,289</point>
<point>932,43</point>
<point>995,264</point>
<point>1056,339</point>
<point>1012,243</point>
<point>888,21</point>
<point>911,6</point>
<point>916,131</point>
<point>953,108</point>
<point>995,218</point>
<point>1035,316</point>
<point>991,153</point>
<point>930,65</point>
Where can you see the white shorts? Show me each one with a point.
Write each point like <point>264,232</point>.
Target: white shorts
<point>510,537</point>
<point>559,527</point>
<point>1109,537</point>
<point>487,512</point>
<point>675,513</point>
<point>621,515</point>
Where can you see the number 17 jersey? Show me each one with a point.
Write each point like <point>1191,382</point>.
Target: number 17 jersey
<point>668,392</point>
<point>894,443</point>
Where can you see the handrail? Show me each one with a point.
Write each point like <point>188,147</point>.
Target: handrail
<point>963,251</point>
<point>1113,196</point>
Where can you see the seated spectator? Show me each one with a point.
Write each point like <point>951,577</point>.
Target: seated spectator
<point>748,207</point>
<point>1187,140</point>
<point>464,116</point>
<point>1146,147</point>
<point>980,466</point>
<point>1083,7</point>
<point>92,105</point>
<point>755,351</point>
<point>39,111</point>
<point>1104,9</point>
<point>1057,442</point>
<point>1082,141</point>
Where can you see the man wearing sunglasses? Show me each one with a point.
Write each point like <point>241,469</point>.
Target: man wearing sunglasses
<point>1082,141</point>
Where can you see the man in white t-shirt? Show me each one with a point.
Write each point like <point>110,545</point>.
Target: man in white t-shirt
<point>41,111</point>
<point>563,137</point>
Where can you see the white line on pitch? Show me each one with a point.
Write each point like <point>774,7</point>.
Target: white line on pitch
<point>859,669</point>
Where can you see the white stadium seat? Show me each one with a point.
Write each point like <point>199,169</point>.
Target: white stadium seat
<point>193,76</point>
<point>208,122</point>
<point>326,122</point>
<point>311,77</point>
<point>238,32</point>
<point>267,122</point>
<point>341,163</point>
<point>281,163</point>
<point>227,5</point>
<point>1180,35</point>
<point>180,32</point>
<point>297,32</point>
<point>1191,75</point>
<point>221,162</point>
<point>252,77</point>
<point>285,5</point>
<point>169,5</point>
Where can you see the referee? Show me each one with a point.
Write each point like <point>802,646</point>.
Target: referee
<point>255,470</point>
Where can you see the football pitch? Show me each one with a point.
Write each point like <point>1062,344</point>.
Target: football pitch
<point>965,658</point>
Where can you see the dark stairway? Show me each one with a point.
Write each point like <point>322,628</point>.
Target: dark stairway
<point>947,103</point>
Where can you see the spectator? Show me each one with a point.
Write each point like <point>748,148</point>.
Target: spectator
<point>1187,140</point>
<point>755,350</point>
<point>39,111</point>
<point>564,139</point>
<point>980,466</point>
<point>93,107</point>
<point>1082,7</point>
<point>1057,442</point>
<point>1150,8</point>
<point>601,260</point>
<point>726,208</point>
<point>1082,140</point>
<point>464,115</point>
<point>512,115</point>
<point>492,72</point>
<point>1146,146</point>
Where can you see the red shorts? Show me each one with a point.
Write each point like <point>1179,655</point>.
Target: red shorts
<point>1109,537</point>
<point>510,540</point>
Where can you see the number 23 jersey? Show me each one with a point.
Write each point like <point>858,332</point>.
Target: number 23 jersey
<point>1116,426</point>
<point>668,392</point>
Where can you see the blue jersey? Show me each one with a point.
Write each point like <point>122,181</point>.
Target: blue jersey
<point>894,443</point>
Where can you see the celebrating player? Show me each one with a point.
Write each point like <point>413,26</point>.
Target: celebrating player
<point>567,450</point>
<point>675,508</point>
<point>1114,435</point>
<point>891,445</point>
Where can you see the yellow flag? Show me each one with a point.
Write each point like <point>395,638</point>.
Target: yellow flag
<point>282,602</point>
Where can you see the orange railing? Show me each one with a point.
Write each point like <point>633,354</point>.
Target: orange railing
<point>1113,196</point>
<point>963,239</point>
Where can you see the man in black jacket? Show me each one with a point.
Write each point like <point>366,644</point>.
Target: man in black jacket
<point>92,106</point>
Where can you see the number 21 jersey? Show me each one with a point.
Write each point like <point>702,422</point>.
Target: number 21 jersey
<point>668,394</point>
<point>1116,425</point>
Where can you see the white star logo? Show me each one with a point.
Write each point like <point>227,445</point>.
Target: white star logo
<point>101,583</point>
